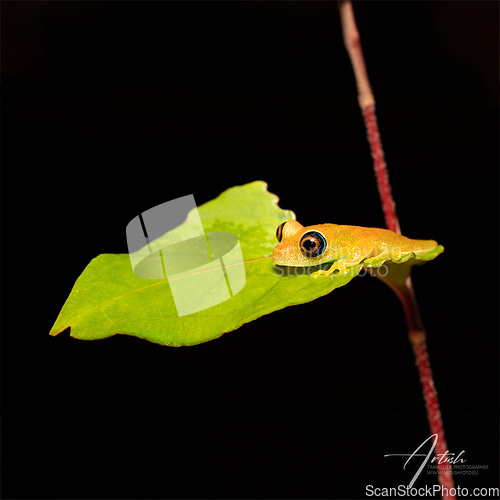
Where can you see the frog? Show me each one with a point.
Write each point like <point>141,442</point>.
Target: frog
<point>346,246</point>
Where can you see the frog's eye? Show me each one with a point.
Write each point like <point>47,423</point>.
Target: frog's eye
<point>312,244</point>
<point>279,232</point>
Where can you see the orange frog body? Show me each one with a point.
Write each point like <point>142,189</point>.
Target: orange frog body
<point>347,246</point>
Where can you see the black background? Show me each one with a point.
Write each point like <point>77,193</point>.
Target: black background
<point>113,108</point>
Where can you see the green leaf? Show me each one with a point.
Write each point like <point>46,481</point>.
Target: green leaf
<point>108,298</point>
<point>394,272</point>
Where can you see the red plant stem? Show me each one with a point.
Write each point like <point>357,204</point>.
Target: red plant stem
<point>380,167</point>
<point>416,331</point>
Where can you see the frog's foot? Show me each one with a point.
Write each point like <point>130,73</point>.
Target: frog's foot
<point>338,265</point>
<point>321,272</point>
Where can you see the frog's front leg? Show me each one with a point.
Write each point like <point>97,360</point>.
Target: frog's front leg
<point>343,264</point>
<point>337,265</point>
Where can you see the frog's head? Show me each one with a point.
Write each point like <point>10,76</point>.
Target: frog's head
<point>298,245</point>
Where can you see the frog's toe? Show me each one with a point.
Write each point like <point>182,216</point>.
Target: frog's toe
<point>317,274</point>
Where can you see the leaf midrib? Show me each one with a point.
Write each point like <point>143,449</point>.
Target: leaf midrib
<point>160,282</point>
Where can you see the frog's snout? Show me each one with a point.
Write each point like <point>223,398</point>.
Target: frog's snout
<point>283,255</point>
<point>278,253</point>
